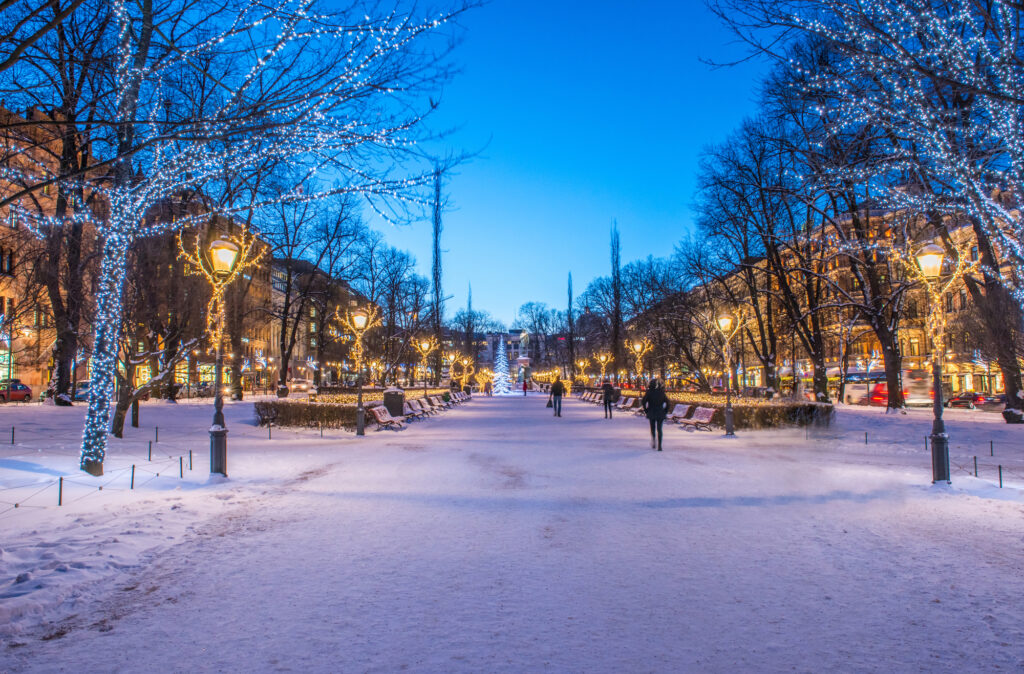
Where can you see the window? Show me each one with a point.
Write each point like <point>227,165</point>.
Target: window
<point>974,253</point>
<point>312,341</point>
<point>949,302</point>
<point>963,299</point>
<point>915,347</point>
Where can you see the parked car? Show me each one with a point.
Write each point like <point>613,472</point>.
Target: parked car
<point>12,390</point>
<point>82,390</point>
<point>299,385</point>
<point>971,400</point>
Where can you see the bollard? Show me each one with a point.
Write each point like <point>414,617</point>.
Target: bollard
<point>132,485</point>
<point>975,466</point>
<point>991,448</point>
<point>270,431</point>
<point>156,434</point>
<point>12,435</point>
<point>190,459</point>
<point>60,491</point>
<point>865,437</point>
<point>1000,477</point>
<point>321,428</point>
<point>150,451</point>
<point>926,444</point>
<point>181,467</point>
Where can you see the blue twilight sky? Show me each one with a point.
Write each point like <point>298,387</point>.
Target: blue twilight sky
<point>590,111</point>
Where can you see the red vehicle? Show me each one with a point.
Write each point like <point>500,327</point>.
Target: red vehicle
<point>916,392</point>
<point>13,391</point>
<point>972,400</point>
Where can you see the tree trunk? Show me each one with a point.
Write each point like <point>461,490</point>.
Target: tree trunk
<point>109,295</point>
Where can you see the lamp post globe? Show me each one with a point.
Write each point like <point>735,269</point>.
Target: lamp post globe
<point>359,318</point>
<point>223,256</point>
<point>930,259</point>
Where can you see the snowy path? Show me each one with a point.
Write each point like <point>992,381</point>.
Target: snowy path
<point>497,538</point>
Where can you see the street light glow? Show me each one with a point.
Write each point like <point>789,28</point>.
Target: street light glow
<point>930,260</point>
<point>223,256</point>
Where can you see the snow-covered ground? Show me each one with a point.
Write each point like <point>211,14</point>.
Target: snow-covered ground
<point>498,538</point>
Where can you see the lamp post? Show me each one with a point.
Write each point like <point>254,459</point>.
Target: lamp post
<point>640,348</point>
<point>930,258</point>
<point>359,318</point>
<point>724,325</point>
<point>603,359</point>
<point>467,371</point>
<point>358,321</point>
<point>425,347</point>
<point>223,257</point>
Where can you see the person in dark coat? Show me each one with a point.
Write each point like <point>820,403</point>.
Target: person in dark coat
<point>557,391</point>
<point>524,388</point>
<point>655,406</point>
<point>608,392</point>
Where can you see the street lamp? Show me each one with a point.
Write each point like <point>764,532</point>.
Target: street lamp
<point>930,258</point>
<point>223,258</point>
<point>467,371</point>
<point>358,322</point>
<point>581,364</point>
<point>724,325</point>
<point>640,348</point>
<point>359,318</point>
<point>603,359</point>
<point>425,347</point>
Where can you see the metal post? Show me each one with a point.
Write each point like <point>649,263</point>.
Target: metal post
<point>219,431</point>
<point>940,441</point>
<point>729,428</point>
<point>360,420</point>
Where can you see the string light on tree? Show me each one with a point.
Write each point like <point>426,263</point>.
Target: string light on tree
<point>502,385</point>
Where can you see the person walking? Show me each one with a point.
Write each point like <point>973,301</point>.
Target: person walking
<point>655,406</point>
<point>524,388</point>
<point>609,394</point>
<point>557,391</point>
<point>487,388</point>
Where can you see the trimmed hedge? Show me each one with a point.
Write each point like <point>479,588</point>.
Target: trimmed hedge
<point>753,414</point>
<point>314,414</point>
<point>309,415</point>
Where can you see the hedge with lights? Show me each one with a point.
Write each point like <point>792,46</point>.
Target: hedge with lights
<point>337,411</point>
<point>756,413</point>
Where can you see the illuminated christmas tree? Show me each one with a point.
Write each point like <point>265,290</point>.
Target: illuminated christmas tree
<point>501,381</point>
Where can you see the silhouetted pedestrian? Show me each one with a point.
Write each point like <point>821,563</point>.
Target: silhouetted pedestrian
<point>609,394</point>
<point>557,391</point>
<point>655,406</point>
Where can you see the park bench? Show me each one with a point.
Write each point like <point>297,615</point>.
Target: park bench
<point>422,406</point>
<point>679,412</point>
<point>701,418</point>
<point>411,412</point>
<point>628,404</point>
<point>384,418</point>
<point>439,403</point>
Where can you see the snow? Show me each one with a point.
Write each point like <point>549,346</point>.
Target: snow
<point>496,537</point>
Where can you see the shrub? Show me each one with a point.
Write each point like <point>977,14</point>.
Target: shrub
<point>756,413</point>
<point>306,414</point>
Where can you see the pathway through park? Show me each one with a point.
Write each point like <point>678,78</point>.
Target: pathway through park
<point>496,538</point>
